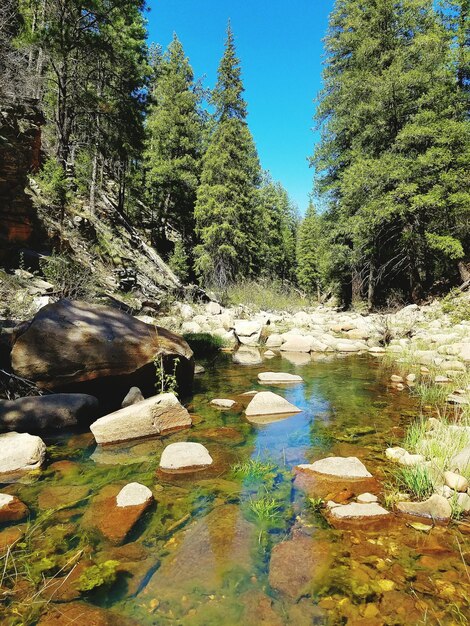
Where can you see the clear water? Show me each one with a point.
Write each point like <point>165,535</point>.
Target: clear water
<point>201,554</point>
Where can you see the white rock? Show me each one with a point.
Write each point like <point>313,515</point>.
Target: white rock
<point>358,510</point>
<point>185,455</point>
<point>268,403</point>
<point>21,452</point>
<point>213,308</point>
<point>463,502</point>
<point>274,341</point>
<point>190,327</point>
<point>133,494</point>
<point>186,311</point>
<point>367,498</point>
<point>345,467</point>
<point>297,343</point>
<point>269,354</point>
<point>223,403</point>
<point>150,417</point>
<point>5,499</point>
<point>395,378</point>
<point>456,481</point>
<point>278,377</point>
<point>248,332</point>
<point>403,457</point>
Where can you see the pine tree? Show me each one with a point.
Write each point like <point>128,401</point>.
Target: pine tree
<point>226,212</point>
<point>174,142</point>
<point>394,151</point>
<point>308,245</point>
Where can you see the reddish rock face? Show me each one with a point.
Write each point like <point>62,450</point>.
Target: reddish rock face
<point>327,486</point>
<point>82,613</point>
<point>299,565</point>
<point>112,521</point>
<point>75,346</point>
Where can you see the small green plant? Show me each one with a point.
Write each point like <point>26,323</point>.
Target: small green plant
<point>415,480</point>
<point>166,382</point>
<point>98,576</point>
<point>254,470</point>
<point>265,509</point>
<point>204,344</point>
<point>179,261</point>
<point>70,280</point>
<point>316,504</point>
<point>53,182</point>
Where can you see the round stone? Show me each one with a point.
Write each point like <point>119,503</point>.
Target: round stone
<point>133,494</point>
<point>185,455</point>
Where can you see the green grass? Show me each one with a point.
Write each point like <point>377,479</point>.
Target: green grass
<point>268,294</point>
<point>204,344</point>
<point>415,480</point>
<point>254,470</point>
<point>265,509</point>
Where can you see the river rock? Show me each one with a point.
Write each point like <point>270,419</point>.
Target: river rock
<point>344,467</point>
<point>455,481</point>
<point>461,461</point>
<point>297,343</point>
<point>38,413</point>
<point>12,509</point>
<point>133,494</point>
<point>357,510</point>
<point>213,308</point>
<point>153,416</point>
<point>366,498</point>
<point>54,496</point>
<point>248,332</point>
<point>268,403</point>
<point>462,501</point>
<point>278,377</point>
<point>246,355</point>
<point>21,452</point>
<point>133,396</point>
<point>223,403</point>
<point>300,566</point>
<point>81,613</point>
<point>113,520</point>
<point>185,455</point>
<point>269,354</point>
<point>76,346</point>
<point>436,507</point>
<point>274,341</point>
<point>403,457</point>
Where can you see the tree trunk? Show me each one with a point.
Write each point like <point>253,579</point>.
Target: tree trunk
<point>371,286</point>
<point>356,287</point>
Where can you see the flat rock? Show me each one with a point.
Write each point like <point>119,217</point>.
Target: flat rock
<point>41,413</point>
<point>344,467</point>
<point>223,403</point>
<point>153,416</point>
<point>133,494</point>
<point>278,377</point>
<point>81,613</point>
<point>332,487</point>
<point>54,496</point>
<point>133,396</point>
<point>185,455</point>
<point>21,452</point>
<point>436,507</point>
<point>355,510</point>
<point>12,509</point>
<point>299,566</point>
<point>268,403</point>
<point>114,522</point>
<point>366,498</point>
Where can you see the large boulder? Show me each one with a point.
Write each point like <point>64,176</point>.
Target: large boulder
<point>20,452</point>
<point>38,413</point>
<point>75,346</point>
<point>268,403</point>
<point>297,343</point>
<point>436,507</point>
<point>248,332</point>
<point>185,455</point>
<point>154,416</point>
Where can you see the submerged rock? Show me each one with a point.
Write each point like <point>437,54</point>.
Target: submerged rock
<point>246,355</point>
<point>436,507</point>
<point>185,455</point>
<point>76,346</point>
<point>82,613</point>
<point>38,413</point>
<point>21,452</point>
<point>358,510</point>
<point>53,496</point>
<point>12,509</point>
<point>223,403</point>
<point>154,416</point>
<point>268,403</point>
<point>300,565</point>
<point>115,519</point>
<point>278,377</point>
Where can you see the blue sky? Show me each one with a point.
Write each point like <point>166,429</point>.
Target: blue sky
<point>279,43</point>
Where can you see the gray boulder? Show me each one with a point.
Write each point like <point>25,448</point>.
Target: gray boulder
<point>133,396</point>
<point>52,412</point>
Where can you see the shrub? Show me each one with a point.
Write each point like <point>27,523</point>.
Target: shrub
<point>268,294</point>
<point>203,344</point>
<point>70,279</point>
<point>53,183</point>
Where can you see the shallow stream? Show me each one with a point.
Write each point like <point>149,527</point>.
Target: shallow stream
<point>201,555</point>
